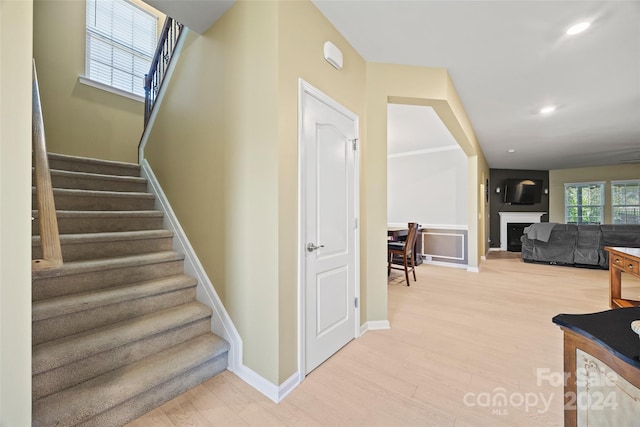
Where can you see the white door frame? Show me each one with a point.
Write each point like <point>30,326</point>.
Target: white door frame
<point>305,89</point>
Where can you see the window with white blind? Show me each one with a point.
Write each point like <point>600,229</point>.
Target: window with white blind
<point>584,203</point>
<point>625,202</point>
<point>121,41</point>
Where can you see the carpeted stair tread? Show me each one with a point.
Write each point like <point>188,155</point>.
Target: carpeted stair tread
<point>139,405</point>
<point>115,236</point>
<point>60,306</point>
<point>86,200</point>
<point>91,398</point>
<point>53,354</point>
<point>84,369</point>
<point>86,246</point>
<point>77,267</point>
<point>103,312</point>
<point>85,164</point>
<point>84,276</point>
<point>83,221</point>
<point>103,214</point>
<point>98,193</point>
<point>97,181</point>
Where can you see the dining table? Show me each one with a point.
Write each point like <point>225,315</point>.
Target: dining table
<point>395,233</point>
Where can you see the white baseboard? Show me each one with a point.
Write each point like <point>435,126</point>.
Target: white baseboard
<point>374,325</point>
<point>267,388</point>
<point>445,264</point>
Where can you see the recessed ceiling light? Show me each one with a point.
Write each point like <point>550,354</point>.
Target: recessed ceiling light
<point>548,109</point>
<point>578,28</point>
<point>511,150</point>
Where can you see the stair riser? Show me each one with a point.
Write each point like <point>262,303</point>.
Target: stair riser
<point>80,166</point>
<point>66,376</point>
<point>145,402</point>
<point>79,225</point>
<point>101,184</point>
<point>93,250</point>
<point>49,287</point>
<point>83,202</point>
<point>62,326</point>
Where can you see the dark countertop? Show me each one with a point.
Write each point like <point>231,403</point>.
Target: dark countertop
<point>611,329</point>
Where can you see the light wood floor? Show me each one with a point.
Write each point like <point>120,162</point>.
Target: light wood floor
<point>457,340</point>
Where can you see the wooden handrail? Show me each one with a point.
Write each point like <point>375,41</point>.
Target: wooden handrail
<point>49,236</point>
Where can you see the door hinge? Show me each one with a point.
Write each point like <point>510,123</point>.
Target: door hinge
<point>355,223</point>
<point>354,143</point>
<point>355,302</point>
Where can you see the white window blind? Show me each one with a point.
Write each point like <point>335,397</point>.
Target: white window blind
<point>121,41</point>
<point>625,202</point>
<point>584,203</point>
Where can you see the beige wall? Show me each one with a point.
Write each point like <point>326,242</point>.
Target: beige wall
<point>79,119</point>
<point>214,149</point>
<point>224,147</point>
<point>244,169</point>
<point>558,177</point>
<point>15,212</point>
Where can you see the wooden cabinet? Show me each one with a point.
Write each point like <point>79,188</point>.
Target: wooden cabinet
<point>622,260</point>
<point>601,368</point>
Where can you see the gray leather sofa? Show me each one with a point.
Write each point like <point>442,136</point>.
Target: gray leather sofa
<point>577,245</point>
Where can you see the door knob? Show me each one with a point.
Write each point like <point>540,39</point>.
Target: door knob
<point>311,247</point>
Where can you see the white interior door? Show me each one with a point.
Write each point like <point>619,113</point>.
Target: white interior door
<point>328,226</point>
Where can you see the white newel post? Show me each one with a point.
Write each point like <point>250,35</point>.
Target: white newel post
<point>507,217</point>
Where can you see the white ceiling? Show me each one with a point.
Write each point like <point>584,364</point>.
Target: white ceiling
<point>197,15</point>
<point>416,129</point>
<point>508,59</point>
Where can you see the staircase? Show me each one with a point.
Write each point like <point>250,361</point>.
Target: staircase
<point>117,331</point>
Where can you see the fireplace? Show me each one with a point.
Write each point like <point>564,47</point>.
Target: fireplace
<point>515,230</point>
<point>515,217</point>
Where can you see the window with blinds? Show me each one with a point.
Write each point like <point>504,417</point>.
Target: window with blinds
<point>121,41</point>
<point>625,202</point>
<point>584,203</point>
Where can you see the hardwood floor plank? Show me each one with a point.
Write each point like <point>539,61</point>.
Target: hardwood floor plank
<point>256,414</point>
<point>155,418</point>
<point>182,412</point>
<point>456,338</point>
<point>292,415</point>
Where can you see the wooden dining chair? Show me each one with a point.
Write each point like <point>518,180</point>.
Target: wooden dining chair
<point>403,250</point>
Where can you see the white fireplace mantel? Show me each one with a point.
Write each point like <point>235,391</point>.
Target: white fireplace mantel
<point>507,217</point>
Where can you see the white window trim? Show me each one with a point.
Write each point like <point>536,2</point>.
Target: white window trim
<point>585,183</point>
<point>87,81</point>
<point>613,206</point>
<point>625,181</point>
<point>602,185</point>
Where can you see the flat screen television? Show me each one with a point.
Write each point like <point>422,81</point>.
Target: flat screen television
<point>523,191</point>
